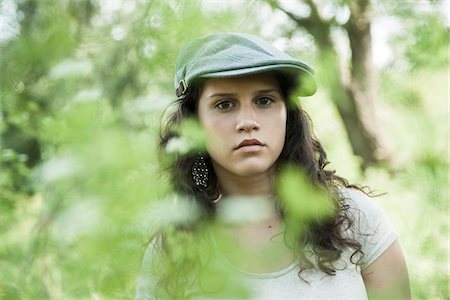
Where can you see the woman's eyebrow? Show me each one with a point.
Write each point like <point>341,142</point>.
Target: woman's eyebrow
<point>268,91</point>
<point>221,95</point>
<point>262,91</point>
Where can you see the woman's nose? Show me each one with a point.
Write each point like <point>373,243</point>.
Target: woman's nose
<point>247,121</point>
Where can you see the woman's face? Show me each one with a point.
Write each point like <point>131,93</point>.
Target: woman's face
<point>245,118</point>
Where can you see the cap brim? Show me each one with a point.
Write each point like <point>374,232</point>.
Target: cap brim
<point>307,83</point>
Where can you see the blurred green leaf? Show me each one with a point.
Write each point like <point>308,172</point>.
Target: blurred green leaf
<point>302,200</point>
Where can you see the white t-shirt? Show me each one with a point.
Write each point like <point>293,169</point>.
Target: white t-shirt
<point>373,231</point>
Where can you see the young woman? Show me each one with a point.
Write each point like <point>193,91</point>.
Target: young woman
<point>272,222</point>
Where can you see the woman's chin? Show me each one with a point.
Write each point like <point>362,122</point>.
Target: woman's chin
<point>246,170</point>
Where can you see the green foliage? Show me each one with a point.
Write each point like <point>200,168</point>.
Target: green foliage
<point>423,39</point>
<point>82,89</point>
<point>191,138</point>
<point>293,184</point>
<point>430,34</point>
<point>193,270</point>
<point>419,184</point>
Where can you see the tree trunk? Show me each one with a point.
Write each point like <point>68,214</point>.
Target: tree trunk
<point>363,83</point>
<point>354,97</point>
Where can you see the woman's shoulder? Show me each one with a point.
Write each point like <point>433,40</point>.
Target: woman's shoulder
<point>361,206</point>
<point>370,224</point>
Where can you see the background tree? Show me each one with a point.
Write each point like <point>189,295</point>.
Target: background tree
<point>352,85</point>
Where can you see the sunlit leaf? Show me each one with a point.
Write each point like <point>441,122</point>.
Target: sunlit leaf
<point>302,200</point>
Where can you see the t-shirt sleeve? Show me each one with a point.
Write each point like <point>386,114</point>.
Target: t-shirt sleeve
<point>146,284</point>
<point>371,226</point>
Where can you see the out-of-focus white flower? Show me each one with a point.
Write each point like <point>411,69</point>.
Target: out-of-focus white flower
<point>71,67</point>
<point>10,19</point>
<point>170,211</point>
<point>88,95</point>
<point>58,168</point>
<point>240,210</point>
<point>78,219</point>
<point>118,33</point>
<point>178,145</point>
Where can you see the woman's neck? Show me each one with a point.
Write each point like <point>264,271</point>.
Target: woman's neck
<point>250,229</point>
<point>255,185</point>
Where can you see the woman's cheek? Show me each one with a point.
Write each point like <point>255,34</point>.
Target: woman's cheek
<point>215,138</point>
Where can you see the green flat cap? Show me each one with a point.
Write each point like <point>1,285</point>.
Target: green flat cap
<point>223,55</point>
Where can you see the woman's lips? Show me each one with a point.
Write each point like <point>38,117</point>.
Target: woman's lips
<point>250,148</point>
<point>250,145</point>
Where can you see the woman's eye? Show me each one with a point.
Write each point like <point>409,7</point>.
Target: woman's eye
<point>223,105</point>
<point>264,101</point>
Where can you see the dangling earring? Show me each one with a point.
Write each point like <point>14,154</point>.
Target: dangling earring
<point>215,201</point>
<point>200,172</point>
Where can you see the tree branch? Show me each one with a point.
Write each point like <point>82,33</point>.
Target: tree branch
<point>315,13</point>
<point>302,22</point>
<point>314,24</point>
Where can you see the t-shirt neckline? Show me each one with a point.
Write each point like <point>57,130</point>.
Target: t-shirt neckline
<point>267,275</point>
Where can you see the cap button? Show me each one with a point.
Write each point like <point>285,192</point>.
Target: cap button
<point>182,88</point>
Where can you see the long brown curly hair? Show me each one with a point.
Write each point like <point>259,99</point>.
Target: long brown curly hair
<point>302,149</point>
